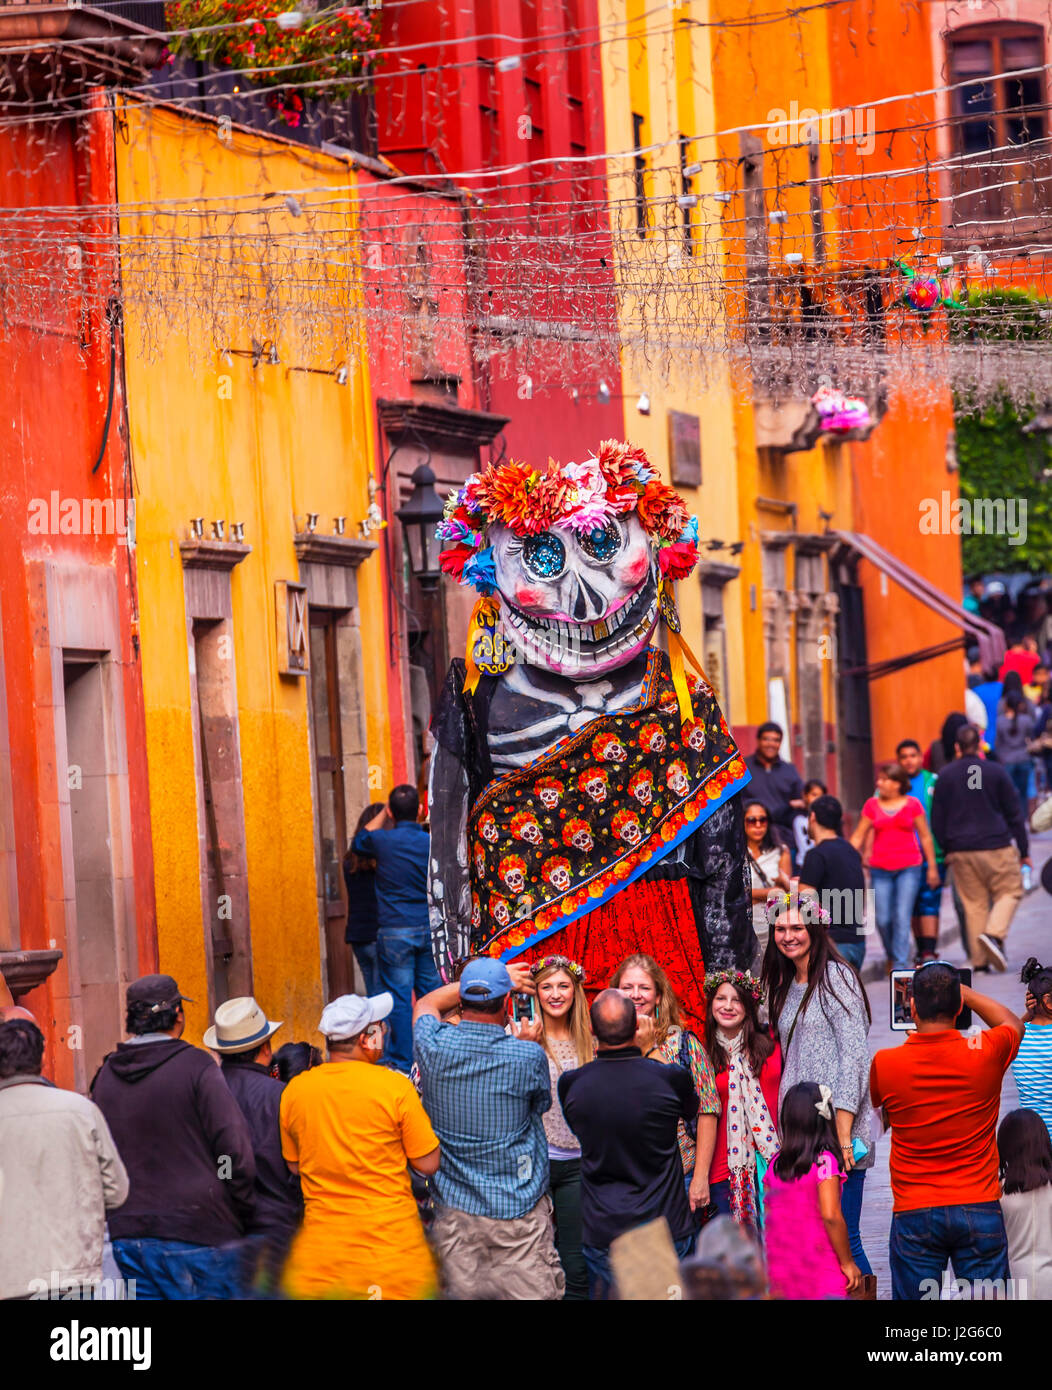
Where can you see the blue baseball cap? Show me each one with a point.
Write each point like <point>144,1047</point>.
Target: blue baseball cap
<point>484,980</point>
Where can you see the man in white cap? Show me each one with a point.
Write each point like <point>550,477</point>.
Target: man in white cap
<point>241,1036</point>
<point>349,1128</point>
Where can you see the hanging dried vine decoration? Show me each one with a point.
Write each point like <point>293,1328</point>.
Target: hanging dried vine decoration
<point>242,36</point>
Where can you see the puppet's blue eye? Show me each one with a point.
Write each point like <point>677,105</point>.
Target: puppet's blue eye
<point>544,556</point>
<point>603,543</point>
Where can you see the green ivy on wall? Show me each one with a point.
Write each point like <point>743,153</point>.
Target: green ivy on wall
<point>995,458</point>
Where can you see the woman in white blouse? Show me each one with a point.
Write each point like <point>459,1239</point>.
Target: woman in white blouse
<point>768,865</point>
<point>566,1036</point>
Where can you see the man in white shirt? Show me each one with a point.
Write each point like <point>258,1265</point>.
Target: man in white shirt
<point>61,1173</point>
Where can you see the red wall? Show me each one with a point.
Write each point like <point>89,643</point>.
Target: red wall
<point>52,405</point>
<point>445,108</point>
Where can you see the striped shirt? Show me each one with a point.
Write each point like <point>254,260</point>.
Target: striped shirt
<point>1032,1070</point>
<point>485,1093</point>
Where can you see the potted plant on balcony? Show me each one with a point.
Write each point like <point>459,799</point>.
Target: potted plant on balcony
<point>302,56</point>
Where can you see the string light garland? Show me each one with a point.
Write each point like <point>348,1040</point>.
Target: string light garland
<point>527,276</point>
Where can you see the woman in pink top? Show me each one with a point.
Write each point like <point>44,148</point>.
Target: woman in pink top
<point>808,1252</point>
<point>901,844</point>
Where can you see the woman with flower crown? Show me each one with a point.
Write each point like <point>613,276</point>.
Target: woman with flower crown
<point>566,1036</point>
<point>747,1061</point>
<point>819,1010</point>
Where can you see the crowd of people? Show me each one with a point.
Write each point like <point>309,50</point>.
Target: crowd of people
<point>497,1135</point>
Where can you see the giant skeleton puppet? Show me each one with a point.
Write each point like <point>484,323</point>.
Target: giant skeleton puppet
<point>584,791</point>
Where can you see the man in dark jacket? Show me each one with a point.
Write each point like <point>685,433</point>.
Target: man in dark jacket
<point>187,1149</point>
<point>975,815</point>
<point>776,783</point>
<point>625,1109</point>
<point>241,1035</point>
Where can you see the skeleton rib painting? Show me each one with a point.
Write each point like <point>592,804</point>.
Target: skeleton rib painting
<point>585,790</point>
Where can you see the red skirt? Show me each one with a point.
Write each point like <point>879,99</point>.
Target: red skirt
<point>652,918</point>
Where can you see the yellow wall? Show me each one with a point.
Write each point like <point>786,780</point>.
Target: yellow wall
<point>658,67</point>
<point>283,443</point>
<point>662,65</point>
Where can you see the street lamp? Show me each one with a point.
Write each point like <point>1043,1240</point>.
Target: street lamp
<point>419,515</point>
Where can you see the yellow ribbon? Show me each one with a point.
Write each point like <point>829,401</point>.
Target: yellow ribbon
<point>677,650</point>
<point>483,615</point>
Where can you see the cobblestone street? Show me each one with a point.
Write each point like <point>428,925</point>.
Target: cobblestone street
<point>1030,935</point>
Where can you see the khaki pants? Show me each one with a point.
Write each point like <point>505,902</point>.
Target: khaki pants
<point>990,887</point>
<point>483,1258</point>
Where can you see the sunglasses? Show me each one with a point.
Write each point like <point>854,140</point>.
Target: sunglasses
<point>755,820</point>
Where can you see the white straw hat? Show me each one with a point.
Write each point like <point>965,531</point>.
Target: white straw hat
<point>240,1024</point>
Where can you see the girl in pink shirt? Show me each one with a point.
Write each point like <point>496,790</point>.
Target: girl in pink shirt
<point>808,1252</point>
<point>896,822</point>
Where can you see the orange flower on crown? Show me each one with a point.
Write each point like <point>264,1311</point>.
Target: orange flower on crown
<point>504,493</point>
<point>618,460</point>
<point>662,511</point>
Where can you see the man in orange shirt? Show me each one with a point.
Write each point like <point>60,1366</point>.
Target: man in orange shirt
<point>940,1093</point>
<point>349,1128</point>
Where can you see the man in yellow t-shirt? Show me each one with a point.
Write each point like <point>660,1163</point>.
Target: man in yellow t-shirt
<point>349,1128</point>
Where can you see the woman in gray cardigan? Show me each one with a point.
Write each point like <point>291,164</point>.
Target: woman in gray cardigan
<point>819,1009</point>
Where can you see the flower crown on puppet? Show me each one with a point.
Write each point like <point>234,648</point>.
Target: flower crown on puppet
<point>578,497</point>
<point>740,979</point>
<point>561,963</point>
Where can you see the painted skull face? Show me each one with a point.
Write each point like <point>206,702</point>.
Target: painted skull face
<point>577,833</point>
<point>524,826</point>
<point>652,738</point>
<point>696,738</point>
<point>513,872</point>
<point>498,910</point>
<point>549,789</point>
<point>580,603</point>
<point>594,784</point>
<point>626,826</point>
<point>480,861</point>
<point>476,910</point>
<point>677,778</point>
<point>488,828</point>
<point>610,748</point>
<point>641,786</point>
<point>557,873</point>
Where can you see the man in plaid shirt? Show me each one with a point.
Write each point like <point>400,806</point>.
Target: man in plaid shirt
<point>485,1093</point>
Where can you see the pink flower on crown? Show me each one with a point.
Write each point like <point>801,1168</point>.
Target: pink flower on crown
<point>587,496</point>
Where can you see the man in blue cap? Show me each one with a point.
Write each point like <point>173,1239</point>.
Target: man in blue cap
<point>485,1092</point>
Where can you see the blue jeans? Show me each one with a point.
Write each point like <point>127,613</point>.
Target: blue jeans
<point>1020,775</point>
<point>895,891</point>
<point>851,1206</point>
<point>854,952</point>
<point>600,1276</point>
<point>924,1242</point>
<point>365,955</point>
<point>720,1196</point>
<point>174,1269</point>
<point>406,966</point>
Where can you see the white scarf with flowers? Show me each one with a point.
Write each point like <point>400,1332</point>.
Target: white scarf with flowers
<point>750,1129</point>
